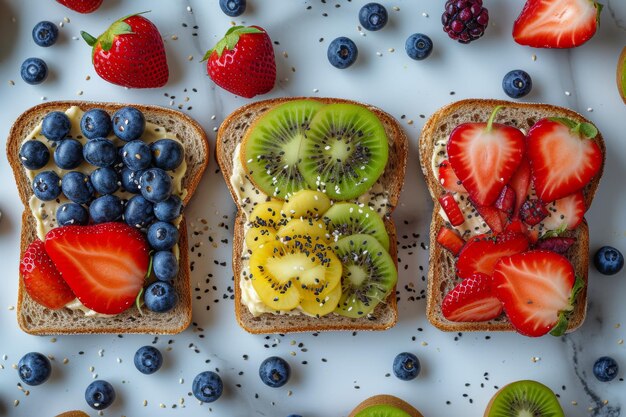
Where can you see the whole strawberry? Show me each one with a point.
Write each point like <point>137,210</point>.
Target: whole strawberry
<point>130,53</point>
<point>243,62</point>
<point>81,6</point>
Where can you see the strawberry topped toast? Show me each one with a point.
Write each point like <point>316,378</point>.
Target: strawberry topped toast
<point>511,183</point>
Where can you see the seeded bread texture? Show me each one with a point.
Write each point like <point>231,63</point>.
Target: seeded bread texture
<point>32,317</point>
<point>442,271</point>
<point>386,400</point>
<point>231,133</point>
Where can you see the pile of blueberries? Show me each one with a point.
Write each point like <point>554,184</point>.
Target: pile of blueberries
<point>136,167</point>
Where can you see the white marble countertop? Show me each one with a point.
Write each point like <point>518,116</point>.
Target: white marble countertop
<point>332,372</point>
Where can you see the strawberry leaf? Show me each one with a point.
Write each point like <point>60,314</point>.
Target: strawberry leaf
<point>139,302</point>
<point>229,41</point>
<point>599,7</point>
<point>117,28</point>
<point>91,41</point>
<point>586,130</point>
<point>492,118</point>
<point>561,326</point>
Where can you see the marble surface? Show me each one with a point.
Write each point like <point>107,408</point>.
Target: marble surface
<point>331,372</point>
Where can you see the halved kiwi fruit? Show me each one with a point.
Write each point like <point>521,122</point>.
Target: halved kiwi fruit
<point>345,219</point>
<point>270,151</point>
<point>382,410</point>
<point>345,151</point>
<point>524,399</point>
<point>368,275</point>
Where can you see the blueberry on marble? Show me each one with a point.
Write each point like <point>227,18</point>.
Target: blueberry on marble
<point>47,185</point>
<point>162,236</point>
<point>342,52</point>
<point>608,260</point>
<point>233,8</point>
<point>128,123</point>
<point>170,209</point>
<point>406,366</point>
<point>107,208</point>
<point>167,154</point>
<point>95,123</point>
<point>68,154</point>
<point>274,372</point>
<point>45,33</point>
<point>164,265</point>
<point>105,180</point>
<point>148,359</point>
<point>294,415</point>
<point>605,369</point>
<point>160,297</point>
<point>139,212</point>
<point>55,126</point>
<point>34,154</point>
<point>155,185</point>
<point>517,83</point>
<point>418,46</point>
<point>34,71</point>
<point>136,155</point>
<point>99,394</point>
<point>77,187</point>
<point>207,386</point>
<point>72,214</point>
<point>131,180</point>
<point>100,152</point>
<point>34,368</point>
<point>373,16</point>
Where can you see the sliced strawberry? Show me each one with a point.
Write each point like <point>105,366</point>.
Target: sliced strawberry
<point>491,216</point>
<point>484,157</point>
<point>473,299</point>
<point>559,245</point>
<point>516,226</point>
<point>535,288</point>
<point>105,264</point>
<point>506,201</point>
<point>556,23</point>
<point>482,252</point>
<point>448,178</point>
<point>42,281</point>
<point>450,240</point>
<point>520,183</point>
<point>81,6</point>
<point>563,157</point>
<point>533,211</point>
<point>452,210</point>
<point>565,213</point>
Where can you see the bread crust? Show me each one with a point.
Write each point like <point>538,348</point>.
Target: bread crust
<point>32,317</point>
<point>384,399</point>
<point>231,133</point>
<point>441,271</point>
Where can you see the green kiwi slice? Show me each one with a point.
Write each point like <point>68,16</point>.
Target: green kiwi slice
<point>345,151</point>
<point>345,219</point>
<point>382,410</point>
<point>368,274</point>
<point>524,399</point>
<point>271,150</point>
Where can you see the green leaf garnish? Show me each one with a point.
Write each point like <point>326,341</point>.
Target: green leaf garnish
<point>556,232</point>
<point>230,39</point>
<point>584,129</point>
<point>139,301</point>
<point>91,41</point>
<point>492,118</point>
<point>561,326</point>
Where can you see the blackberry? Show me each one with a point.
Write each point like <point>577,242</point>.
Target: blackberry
<point>465,20</point>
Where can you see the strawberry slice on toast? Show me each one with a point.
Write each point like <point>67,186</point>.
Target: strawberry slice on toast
<point>450,240</point>
<point>481,253</point>
<point>565,213</point>
<point>448,178</point>
<point>473,299</point>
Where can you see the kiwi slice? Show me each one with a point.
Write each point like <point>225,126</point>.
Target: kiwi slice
<point>382,410</point>
<point>345,219</point>
<point>271,149</point>
<point>524,399</point>
<point>345,151</point>
<point>367,277</point>
<point>621,74</point>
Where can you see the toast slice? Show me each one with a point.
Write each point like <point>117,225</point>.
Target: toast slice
<point>441,272</point>
<point>230,134</point>
<point>32,317</point>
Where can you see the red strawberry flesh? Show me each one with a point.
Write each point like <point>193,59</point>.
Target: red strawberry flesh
<point>506,201</point>
<point>482,252</point>
<point>520,183</point>
<point>533,212</point>
<point>448,178</point>
<point>567,211</point>
<point>472,300</point>
<point>491,216</point>
<point>450,240</point>
<point>559,245</point>
<point>81,6</point>
<point>452,210</point>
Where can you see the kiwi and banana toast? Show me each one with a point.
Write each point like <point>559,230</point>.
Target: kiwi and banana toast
<point>315,182</point>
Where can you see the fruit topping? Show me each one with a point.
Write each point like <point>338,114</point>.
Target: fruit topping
<point>160,297</point>
<point>608,260</point>
<point>170,209</point>
<point>274,372</point>
<point>99,394</point>
<point>448,178</point>
<point>107,208</point>
<point>34,71</point>
<point>72,214</point>
<point>520,183</point>
<point>47,185</point>
<point>605,369</point>
<point>233,8</point>
<point>473,299</point>
<point>167,154</point>
<point>81,6</point>
<point>155,185</point>
<point>162,236</point>
<point>342,52</point>
<point>268,214</point>
<point>304,228</point>
<point>77,187</point>
<point>164,265</point>
<point>100,152</point>
<point>207,386</point>
<point>345,219</point>
<point>373,16</point>
<point>506,201</point>
<point>565,213</point>
<point>482,252</point>
<point>382,410</point>
<point>95,123</point>
<point>517,84</point>
<point>450,240</point>
<point>34,154</point>
<point>105,180</point>
<point>559,245</point>
<point>139,212</point>
<point>452,210</point>
<point>524,398</point>
<point>148,359</point>
<point>128,123</point>
<point>418,46</point>
<point>406,366</point>
<point>34,368</point>
<point>533,211</point>
<point>68,154</point>
<point>136,155</point>
<point>491,216</point>
<point>621,75</point>
<point>45,33</point>
<point>306,203</point>
<point>130,180</point>
<point>465,20</point>
<point>55,126</point>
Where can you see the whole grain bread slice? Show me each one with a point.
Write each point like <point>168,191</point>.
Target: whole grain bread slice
<point>230,134</point>
<point>32,317</point>
<point>442,272</point>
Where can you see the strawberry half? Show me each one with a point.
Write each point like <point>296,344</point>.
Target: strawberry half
<point>81,6</point>
<point>42,281</point>
<point>105,264</point>
<point>452,210</point>
<point>484,157</point>
<point>557,23</point>
<point>243,61</point>
<point>448,178</point>
<point>450,240</point>
<point>536,290</point>
<point>563,157</point>
<point>130,53</point>
<point>473,299</point>
<point>565,213</point>
<point>482,252</point>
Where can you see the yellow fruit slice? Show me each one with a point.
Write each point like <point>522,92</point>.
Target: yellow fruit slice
<point>322,306</point>
<point>268,214</point>
<point>305,229</point>
<point>621,74</point>
<point>319,281</point>
<point>259,235</point>
<point>306,203</point>
<point>276,292</point>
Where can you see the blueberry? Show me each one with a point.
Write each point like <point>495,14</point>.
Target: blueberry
<point>70,214</point>
<point>148,359</point>
<point>233,8</point>
<point>95,123</point>
<point>605,369</point>
<point>77,187</point>
<point>373,16</point>
<point>139,212</point>
<point>105,180</point>
<point>165,265</point>
<point>68,154</point>
<point>131,180</point>
<point>418,46</point>
<point>294,415</point>
<point>34,368</point>
<point>34,71</point>
<point>55,126</point>
<point>517,83</point>
<point>406,366</point>
<point>170,209</point>
<point>100,152</point>
<point>160,297</point>
<point>167,154</point>
<point>128,123</point>
<point>162,236</point>
<point>342,52</point>
<point>99,394</point>
<point>136,155</point>
<point>107,208</point>
<point>34,154</point>
<point>608,260</point>
<point>45,33</point>
<point>47,185</point>
<point>207,386</point>
<point>274,372</point>
<point>155,185</point>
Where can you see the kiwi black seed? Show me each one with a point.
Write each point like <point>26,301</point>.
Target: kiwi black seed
<point>524,398</point>
<point>270,150</point>
<point>345,151</point>
<point>345,219</point>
